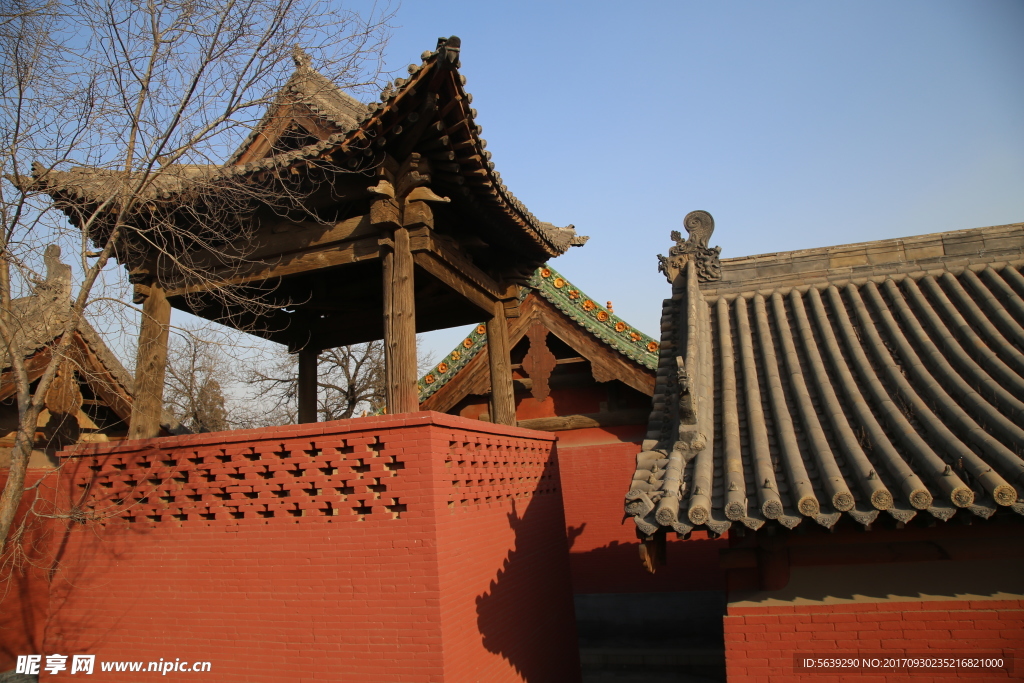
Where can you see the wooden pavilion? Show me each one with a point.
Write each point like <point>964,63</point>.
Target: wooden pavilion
<point>352,222</point>
<point>569,354</point>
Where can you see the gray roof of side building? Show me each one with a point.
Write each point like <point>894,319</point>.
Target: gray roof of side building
<point>881,378</point>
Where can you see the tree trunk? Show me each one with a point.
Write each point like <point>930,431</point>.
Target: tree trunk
<point>15,486</point>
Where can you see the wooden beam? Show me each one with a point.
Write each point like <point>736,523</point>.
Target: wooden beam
<point>277,238</point>
<point>572,381</point>
<point>317,258</point>
<point>400,327</point>
<point>461,263</point>
<point>150,365</point>
<point>558,361</point>
<point>503,400</point>
<point>456,280</point>
<point>307,385</point>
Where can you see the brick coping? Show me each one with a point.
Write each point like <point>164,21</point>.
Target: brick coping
<point>299,431</point>
<point>943,604</point>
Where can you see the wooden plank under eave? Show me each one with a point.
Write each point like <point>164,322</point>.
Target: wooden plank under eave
<point>35,365</point>
<point>314,260</point>
<point>101,381</point>
<point>456,280</point>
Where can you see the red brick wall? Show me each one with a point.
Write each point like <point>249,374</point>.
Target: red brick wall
<point>604,552</point>
<point>761,642</point>
<point>351,557</point>
<point>24,588</point>
<point>501,505</point>
<point>597,465</point>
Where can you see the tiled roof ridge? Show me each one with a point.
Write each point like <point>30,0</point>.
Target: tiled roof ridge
<point>315,91</point>
<point>868,243</point>
<point>879,258</point>
<point>822,285</point>
<point>554,240</point>
<point>554,288</point>
<point>899,394</point>
<point>598,320</point>
<point>452,363</point>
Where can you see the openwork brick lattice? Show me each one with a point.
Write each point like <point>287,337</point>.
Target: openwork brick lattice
<point>487,470</point>
<point>347,479</point>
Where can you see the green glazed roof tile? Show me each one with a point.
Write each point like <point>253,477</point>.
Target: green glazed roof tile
<point>573,302</point>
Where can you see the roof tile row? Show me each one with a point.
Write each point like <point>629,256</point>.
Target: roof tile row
<point>899,395</point>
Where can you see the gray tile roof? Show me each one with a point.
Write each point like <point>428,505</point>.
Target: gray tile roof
<point>39,320</point>
<point>891,382</point>
<point>358,125</point>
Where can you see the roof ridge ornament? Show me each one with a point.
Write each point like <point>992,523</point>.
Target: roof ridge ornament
<point>448,50</point>
<point>700,226</point>
<point>301,57</point>
<point>57,284</point>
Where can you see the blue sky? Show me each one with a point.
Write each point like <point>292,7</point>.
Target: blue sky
<point>796,124</point>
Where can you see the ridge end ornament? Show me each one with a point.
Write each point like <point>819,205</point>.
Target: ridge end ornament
<point>699,227</point>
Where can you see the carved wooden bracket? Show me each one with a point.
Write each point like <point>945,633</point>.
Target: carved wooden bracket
<point>141,279</point>
<point>539,361</point>
<point>64,395</point>
<point>402,194</point>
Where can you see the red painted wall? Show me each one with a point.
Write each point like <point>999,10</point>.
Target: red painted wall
<point>24,585</point>
<point>604,550</point>
<point>761,642</point>
<point>423,547</point>
<point>505,512</point>
<point>597,465</point>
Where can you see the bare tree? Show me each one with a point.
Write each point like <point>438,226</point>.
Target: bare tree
<point>199,370</point>
<point>149,96</point>
<point>350,381</point>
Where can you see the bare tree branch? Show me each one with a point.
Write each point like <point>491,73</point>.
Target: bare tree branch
<point>151,97</point>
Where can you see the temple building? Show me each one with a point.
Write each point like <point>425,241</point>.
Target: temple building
<point>850,418</point>
<point>333,223</point>
<point>821,452</point>
<point>91,397</point>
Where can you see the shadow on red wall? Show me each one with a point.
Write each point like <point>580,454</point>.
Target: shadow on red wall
<point>26,569</point>
<point>533,634</point>
<point>615,568</point>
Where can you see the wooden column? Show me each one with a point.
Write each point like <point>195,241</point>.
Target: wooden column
<point>400,326</point>
<point>307,385</point>
<point>150,364</point>
<point>503,401</point>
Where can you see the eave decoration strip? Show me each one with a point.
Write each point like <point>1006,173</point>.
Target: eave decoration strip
<point>598,320</point>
